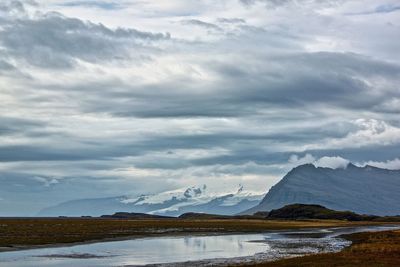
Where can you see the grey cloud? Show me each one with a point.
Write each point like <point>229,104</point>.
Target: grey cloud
<point>17,153</point>
<point>283,81</point>
<point>232,20</point>
<point>268,2</point>
<point>391,105</point>
<point>238,143</point>
<point>297,84</point>
<point>12,6</point>
<point>71,150</point>
<point>267,157</point>
<point>244,148</point>
<point>55,41</point>
<point>374,153</point>
<point>200,23</point>
<point>12,125</point>
<point>5,66</point>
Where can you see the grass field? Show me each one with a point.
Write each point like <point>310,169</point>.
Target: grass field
<point>25,233</point>
<point>380,249</point>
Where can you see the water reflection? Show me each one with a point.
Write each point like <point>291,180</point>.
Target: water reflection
<point>138,252</point>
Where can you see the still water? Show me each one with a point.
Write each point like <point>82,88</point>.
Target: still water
<point>205,250</point>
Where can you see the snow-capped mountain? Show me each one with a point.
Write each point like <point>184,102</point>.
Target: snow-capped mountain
<point>170,203</point>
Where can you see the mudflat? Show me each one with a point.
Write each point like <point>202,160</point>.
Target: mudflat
<point>24,233</point>
<point>369,249</point>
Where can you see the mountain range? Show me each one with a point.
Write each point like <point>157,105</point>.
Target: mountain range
<point>364,190</point>
<point>170,203</point>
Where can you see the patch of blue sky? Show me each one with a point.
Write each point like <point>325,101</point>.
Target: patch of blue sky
<point>95,4</point>
<point>386,8</point>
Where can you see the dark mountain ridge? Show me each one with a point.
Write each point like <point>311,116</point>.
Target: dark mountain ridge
<point>364,190</point>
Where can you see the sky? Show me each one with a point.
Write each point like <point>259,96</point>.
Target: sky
<point>110,98</point>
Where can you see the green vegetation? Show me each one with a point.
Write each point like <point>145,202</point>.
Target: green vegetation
<point>379,249</point>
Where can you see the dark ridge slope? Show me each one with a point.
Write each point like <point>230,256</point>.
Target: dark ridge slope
<point>364,190</point>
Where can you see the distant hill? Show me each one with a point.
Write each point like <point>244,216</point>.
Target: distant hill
<point>303,211</point>
<point>136,216</point>
<point>170,203</point>
<point>204,216</point>
<point>364,190</point>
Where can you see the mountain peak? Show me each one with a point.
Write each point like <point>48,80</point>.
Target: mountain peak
<point>240,189</point>
<point>193,192</point>
<point>307,166</point>
<point>352,166</point>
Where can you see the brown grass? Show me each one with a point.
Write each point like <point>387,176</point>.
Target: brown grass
<point>16,233</point>
<point>380,249</point>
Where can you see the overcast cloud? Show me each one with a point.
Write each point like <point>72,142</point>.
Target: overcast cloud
<point>107,98</point>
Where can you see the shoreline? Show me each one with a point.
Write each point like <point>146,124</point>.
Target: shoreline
<point>342,240</point>
<point>175,233</point>
<point>170,234</point>
<point>372,249</point>
<point>264,259</point>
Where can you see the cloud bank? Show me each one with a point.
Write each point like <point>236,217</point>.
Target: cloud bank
<point>105,98</point>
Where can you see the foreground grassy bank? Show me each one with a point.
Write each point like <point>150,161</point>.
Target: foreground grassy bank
<point>26,233</point>
<point>380,249</point>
